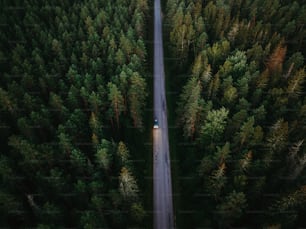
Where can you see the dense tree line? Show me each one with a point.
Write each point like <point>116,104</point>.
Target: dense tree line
<point>242,111</point>
<point>72,75</point>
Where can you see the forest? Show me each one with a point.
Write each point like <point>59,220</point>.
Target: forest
<point>73,85</point>
<point>238,71</point>
<point>76,115</point>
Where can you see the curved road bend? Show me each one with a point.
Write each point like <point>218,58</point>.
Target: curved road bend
<point>162,193</point>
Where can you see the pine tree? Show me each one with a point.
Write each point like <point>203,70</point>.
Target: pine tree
<point>232,208</point>
<point>104,155</point>
<point>217,181</point>
<point>137,96</point>
<point>189,106</point>
<point>295,84</point>
<point>116,99</point>
<point>123,154</point>
<point>214,125</point>
<point>127,185</point>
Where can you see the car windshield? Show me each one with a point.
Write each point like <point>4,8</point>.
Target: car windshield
<point>155,123</point>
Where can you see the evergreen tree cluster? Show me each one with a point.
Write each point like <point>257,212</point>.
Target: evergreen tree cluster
<point>72,73</point>
<point>242,110</point>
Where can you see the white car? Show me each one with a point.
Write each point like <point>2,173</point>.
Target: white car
<point>155,126</point>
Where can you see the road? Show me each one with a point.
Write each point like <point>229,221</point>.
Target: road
<point>162,193</point>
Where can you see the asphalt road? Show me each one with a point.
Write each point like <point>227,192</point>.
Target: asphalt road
<point>163,206</point>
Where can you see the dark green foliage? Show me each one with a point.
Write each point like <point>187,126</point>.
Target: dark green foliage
<point>241,112</point>
<point>69,70</point>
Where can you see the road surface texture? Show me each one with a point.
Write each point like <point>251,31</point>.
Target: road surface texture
<point>163,206</point>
